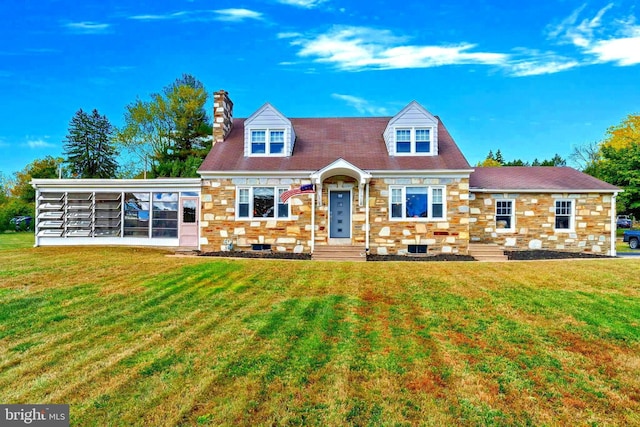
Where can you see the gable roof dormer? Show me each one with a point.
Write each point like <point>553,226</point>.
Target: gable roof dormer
<point>268,133</point>
<point>412,132</point>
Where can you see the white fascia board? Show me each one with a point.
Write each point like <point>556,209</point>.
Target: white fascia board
<point>192,184</point>
<point>252,174</point>
<point>541,190</point>
<point>450,173</point>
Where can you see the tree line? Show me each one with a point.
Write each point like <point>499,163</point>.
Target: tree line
<point>168,134</point>
<point>615,159</point>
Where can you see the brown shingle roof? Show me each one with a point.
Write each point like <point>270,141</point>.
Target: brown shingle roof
<point>536,178</point>
<point>321,141</point>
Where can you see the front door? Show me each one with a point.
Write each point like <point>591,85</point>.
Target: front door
<point>189,221</point>
<point>340,214</point>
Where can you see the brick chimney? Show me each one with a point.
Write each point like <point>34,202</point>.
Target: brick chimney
<point>222,115</point>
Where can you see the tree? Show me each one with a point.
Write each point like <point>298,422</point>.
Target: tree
<point>586,157</point>
<point>88,146</point>
<point>49,167</point>
<point>554,161</point>
<point>621,167</point>
<point>616,160</point>
<point>624,134</point>
<point>171,130</point>
<point>496,160</point>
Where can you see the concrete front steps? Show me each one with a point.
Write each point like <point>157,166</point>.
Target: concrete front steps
<point>339,253</point>
<point>488,252</point>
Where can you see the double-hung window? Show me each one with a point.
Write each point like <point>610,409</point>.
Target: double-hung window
<point>417,203</point>
<point>413,140</point>
<point>267,142</point>
<point>504,215</point>
<point>564,215</point>
<point>261,202</point>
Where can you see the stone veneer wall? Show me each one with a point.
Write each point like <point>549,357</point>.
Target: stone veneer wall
<point>535,220</point>
<point>219,222</point>
<point>393,237</point>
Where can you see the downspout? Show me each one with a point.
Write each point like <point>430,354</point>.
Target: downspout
<point>613,251</point>
<point>366,215</point>
<point>313,221</point>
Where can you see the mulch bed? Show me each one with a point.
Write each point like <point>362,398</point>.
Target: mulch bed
<point>546,254</point>
<point>265,255</point>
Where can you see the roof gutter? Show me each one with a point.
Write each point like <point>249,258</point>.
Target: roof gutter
<point>541,190</point>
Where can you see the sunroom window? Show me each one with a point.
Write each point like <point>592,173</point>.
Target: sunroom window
<point>261,202</point>
<point>417,203</point>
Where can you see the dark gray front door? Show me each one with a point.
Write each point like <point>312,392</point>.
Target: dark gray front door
<point>340,213</point>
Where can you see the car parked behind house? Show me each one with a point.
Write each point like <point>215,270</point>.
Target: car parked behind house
<point>623,221</point>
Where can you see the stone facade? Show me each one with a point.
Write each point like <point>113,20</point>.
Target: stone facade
<point>220,228</point>
<point>534,226</point>
<point>393,237</point>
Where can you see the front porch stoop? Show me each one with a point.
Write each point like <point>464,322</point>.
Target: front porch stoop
<point>487,252</point>
<point>339,253</point>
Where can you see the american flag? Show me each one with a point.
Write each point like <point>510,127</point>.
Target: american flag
<point>303,189</point>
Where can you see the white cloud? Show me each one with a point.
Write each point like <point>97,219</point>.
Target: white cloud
<point>617,41</point>
<point>361,48</point>
<point>288,35</point>
<point>623,51</point>
<point>237,14</point>
<point>233,15</point>
<point>361,105</point>
<point>87,27</point>
<point>38,143</point>
<point>306,4</point>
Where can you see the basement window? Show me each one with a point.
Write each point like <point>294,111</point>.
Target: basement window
<point>417,249</point>
<point>260,247</point>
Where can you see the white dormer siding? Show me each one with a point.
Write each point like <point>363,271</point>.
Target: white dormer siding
<point>265,132</point>
<point>411,127</point>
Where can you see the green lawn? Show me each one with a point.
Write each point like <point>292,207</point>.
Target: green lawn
<point>132,337</point>
<point>13,240</point>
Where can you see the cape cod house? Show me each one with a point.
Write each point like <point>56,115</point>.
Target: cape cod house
<point>386,185</point>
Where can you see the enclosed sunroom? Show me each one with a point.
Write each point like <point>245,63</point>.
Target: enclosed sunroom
<point>136,212</point>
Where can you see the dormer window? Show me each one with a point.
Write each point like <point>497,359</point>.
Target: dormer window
<point>267,142</point>
<point>413,140</point>
<point>268,133</point>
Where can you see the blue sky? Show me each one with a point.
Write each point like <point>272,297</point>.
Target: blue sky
<point>529,78</point>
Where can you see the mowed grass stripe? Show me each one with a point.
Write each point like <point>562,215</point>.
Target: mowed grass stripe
<point>92,332</point>
<point>197,342</point>
<point>206,333</point>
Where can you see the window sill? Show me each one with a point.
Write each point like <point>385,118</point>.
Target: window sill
<point>414,154</point>
<point>418,219</point>
<point>260,218</point>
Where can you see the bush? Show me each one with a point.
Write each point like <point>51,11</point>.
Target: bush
<point>14,207</point>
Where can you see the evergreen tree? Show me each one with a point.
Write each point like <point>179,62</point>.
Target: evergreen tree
<point>89,150</point>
